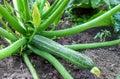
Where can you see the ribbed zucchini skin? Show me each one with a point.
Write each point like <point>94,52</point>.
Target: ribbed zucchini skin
<point>55,48</point>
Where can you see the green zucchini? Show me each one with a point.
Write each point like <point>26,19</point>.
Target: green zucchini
<point>54,48</point>
<point>12,48</point>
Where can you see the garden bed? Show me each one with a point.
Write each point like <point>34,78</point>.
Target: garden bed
<point>107,59</point>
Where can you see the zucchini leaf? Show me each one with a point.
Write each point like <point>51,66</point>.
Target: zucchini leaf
<point>79,3</point>
<point>107,2</point>
<point>86,3</point>
<point>96,3</point>
<point>116,17</point>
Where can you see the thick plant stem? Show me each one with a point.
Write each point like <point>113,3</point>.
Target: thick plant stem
<point>99,21</point>
<point>23,9</point>
<point>7,35</point>
<point>49,10</point>
<point>20,6</point>
<point>51,19</point>
<point>42,6</point>
<point>93,45</point>
<point>27,10</point>
<point>33,34</point>
<point>20,12</point>
<point>8,29</point>
<point>12,21</point>
<point>52,9</point>
<point>53,61</point>
<point>12,48</point>
<point>30,66</point>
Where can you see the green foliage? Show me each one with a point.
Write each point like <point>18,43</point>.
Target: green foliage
<point>87,10</point>
<point>1,47</point>
<point>22,33</point>
<point>79,3</point>
<point>96,15</point>
<point>103,35</point>
<point>116,17</point>
<point>1,16</point>
<point>8,6</point>
<point>113,20</point>
<point>118,77</point>
<point>86,3</point>
<point>117,22</point>
<point>96,3</point>
<point>92,3</point>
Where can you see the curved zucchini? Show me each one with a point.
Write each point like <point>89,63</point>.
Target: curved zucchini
<point>12,48</point>
<point>54,48</point>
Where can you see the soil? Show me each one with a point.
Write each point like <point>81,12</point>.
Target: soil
<point>107,59</point>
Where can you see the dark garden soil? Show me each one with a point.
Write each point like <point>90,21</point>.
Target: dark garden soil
<point>107,59</point>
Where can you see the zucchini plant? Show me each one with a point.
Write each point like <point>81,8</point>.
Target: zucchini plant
<point>29,21</point>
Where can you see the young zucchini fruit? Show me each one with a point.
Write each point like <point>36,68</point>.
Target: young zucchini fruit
<point>54,48</point>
